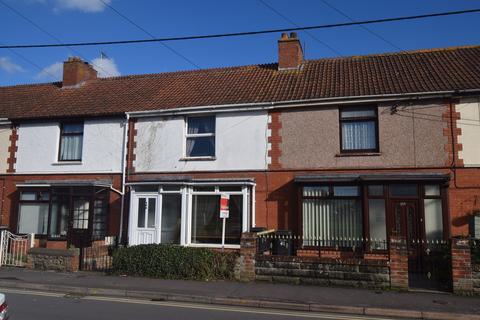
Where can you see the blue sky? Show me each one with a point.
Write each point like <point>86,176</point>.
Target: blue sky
<point>90,20</point>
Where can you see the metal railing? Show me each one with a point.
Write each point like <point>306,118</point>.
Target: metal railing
<point>289,244</point>
<point>98,257</point>
<point>475,248</point>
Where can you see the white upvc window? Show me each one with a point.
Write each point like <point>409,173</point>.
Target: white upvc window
<point>189,214</point>
<point>200,137</point>
<point>205,225</point>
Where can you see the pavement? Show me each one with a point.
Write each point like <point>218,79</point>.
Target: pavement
<point>413,305</point>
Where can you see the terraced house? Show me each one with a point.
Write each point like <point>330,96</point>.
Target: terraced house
<point>344,153</point>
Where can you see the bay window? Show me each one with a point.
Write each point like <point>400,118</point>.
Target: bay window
<point>53,212</point>
<point>188,213</point>
<point>366,215</point>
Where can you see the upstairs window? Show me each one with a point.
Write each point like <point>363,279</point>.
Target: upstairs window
<point>359,128</point>
<point>71,141</point>
<point>200,137</point>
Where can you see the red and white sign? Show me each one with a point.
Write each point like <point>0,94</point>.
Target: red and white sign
<point>224,205</point>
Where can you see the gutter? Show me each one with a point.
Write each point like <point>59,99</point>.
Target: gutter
<point>300,103</point>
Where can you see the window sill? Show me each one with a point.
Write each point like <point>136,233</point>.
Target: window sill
<point>66,163</point>
<point>198,159</point>
<point>358,154</point>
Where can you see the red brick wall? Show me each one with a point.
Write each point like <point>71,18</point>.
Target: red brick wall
<point>12,158</point>
<point>131,145</point>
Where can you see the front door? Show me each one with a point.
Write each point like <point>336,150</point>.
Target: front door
<point>79,233</point>
<point>428,263</point>
<point>145,228</point>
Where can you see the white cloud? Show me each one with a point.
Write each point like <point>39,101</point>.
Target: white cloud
<point>106,67</point>
<point>8,66</point>
<point>52,72</point>
<point>81,5</point>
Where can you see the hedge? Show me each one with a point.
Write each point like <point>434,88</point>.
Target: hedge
<point>174,262</point>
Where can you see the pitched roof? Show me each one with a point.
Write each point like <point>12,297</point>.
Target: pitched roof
<point>395,73</point>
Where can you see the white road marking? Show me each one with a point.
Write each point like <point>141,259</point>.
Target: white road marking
<point>298,314</point>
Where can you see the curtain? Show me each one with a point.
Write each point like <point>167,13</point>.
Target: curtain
<point>200,146</point>
<point>358,135</point>
<point>331,222</point>
<point>201,125</point>
<point>71,147</point>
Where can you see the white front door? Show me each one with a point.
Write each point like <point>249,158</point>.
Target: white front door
<point>146,220</point>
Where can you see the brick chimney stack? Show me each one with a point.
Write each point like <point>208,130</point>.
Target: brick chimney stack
<point>76,71</point>
<point>290,53</point>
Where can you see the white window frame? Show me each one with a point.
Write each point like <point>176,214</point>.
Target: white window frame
<point>244,191</point>
<point>187,192</point>
<point>199,135</point>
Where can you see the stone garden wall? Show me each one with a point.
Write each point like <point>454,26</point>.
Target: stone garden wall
<point>323,271</point>
<point>65,260</point>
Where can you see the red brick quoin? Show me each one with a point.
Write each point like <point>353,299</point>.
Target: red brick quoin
<point>12,158</point>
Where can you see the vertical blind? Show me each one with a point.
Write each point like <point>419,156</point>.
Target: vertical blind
<point>331,222</point>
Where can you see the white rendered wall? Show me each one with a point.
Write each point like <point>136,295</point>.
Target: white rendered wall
<point>241,144</point>
<point>5,132</point>
<point>38,145</point>
<point>469,123</point>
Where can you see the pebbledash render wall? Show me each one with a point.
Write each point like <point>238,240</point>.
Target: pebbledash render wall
<point>410,135</point>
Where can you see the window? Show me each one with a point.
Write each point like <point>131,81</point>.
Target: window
<point>146,212</point>
<point>33,212</point>
<point>403,190</point>
<point>200,138</point>
<point>333,217</point>
<point>171,218</point>
<point>53,211</point>
<point>33,218</point>
<point>59,216</point>
<point>358,129</point>
<point>433,213</point>
<point>71,141</point>
<point>81,208</point>
<point>207,224</point>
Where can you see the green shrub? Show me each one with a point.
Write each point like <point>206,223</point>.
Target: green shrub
<point>174,262</point>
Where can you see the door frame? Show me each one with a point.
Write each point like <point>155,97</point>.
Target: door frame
<point>133,219</point>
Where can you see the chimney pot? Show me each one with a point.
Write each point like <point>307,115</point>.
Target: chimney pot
<point>290,53</point>
<point>76,71</point>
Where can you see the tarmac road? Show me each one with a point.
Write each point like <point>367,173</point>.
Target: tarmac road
<point>37,305</point>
